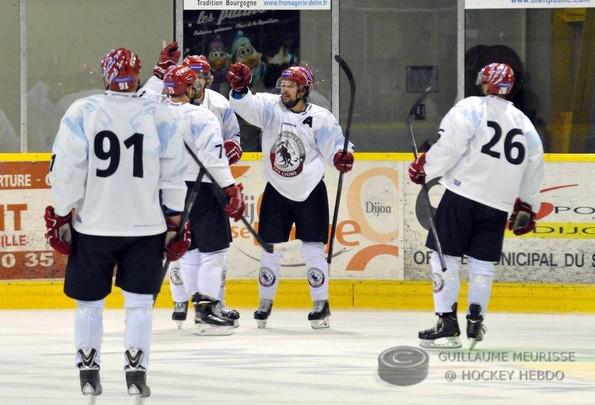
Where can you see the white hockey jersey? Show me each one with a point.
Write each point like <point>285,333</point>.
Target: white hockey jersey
<point>200,129</point>
<point>295,145</point>
<point>489,152</point>
<point>112,154</point>
<point>215,102</point>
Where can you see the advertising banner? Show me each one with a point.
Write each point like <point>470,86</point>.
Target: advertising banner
<point>380,234</point>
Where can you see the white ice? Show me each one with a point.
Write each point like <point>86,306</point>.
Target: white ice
<point>289,363</point>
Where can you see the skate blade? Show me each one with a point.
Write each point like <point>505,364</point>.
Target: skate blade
<point>441,343</point>
<point>179,324</point>
<point>91,399</point>
<point>138,396</point>
<point>473,342</point>
<point>236,324</point>
<point>320,324</point>
<point>207,330</point>
<point>261,323</point>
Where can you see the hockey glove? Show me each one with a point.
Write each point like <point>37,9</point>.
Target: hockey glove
<point>417,174</point>
<point>58,233</point>
<point>522,219</point>
<point>233,151</point>
<point>235,201</point>
<point>239,77</point>
<point>168,57</point>
<point>343,161</point>
<point>175,248</point>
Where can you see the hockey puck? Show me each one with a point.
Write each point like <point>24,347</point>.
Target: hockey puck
<point>403,365</point>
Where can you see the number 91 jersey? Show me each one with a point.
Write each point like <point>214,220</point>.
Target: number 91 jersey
<point>112,155</point>
<point>488,151</point>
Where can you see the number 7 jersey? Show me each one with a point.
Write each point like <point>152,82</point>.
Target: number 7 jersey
<point>489,152</point>
<point>112,155</point>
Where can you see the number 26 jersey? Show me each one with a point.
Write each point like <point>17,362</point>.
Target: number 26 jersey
<point>489,152</point>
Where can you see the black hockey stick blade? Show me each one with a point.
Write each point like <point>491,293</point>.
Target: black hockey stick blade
<point>347,135</point>
<point>411,117</point>
<point>351,80</point>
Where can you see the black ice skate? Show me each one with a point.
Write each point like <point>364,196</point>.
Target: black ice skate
<point>209,319</point>
<point>230,313</point>
<point>319,317</point>
<point>180,313</point>
<point>445,335</point>
<point>475,327</point>
<point>89,375</point>
<point>136,376</point>
<point>262,313</point>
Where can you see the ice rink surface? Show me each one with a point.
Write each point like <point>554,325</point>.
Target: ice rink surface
<point>289,363</point>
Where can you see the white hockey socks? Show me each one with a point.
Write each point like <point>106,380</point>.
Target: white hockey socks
<point>268,276</point>
<point>211,273</point>
<point>189,267</point>
<point>176,282</point>
<point>317,273</point>
<point>481,275</point>
<point>139,320</point>
<point>446,284</point>
<point>88,328</point>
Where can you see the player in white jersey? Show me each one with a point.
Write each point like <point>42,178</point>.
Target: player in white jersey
<point>490,158</point>
<point>112,156</point>
<point>203,266</point>
<point>298,138</point>
<point>230,128</point>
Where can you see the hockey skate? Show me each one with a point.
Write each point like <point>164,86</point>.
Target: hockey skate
<point>180,313</point>
<point>475,327</point>
<point>262,313</point>
<point>230,313</point>
<point>89,375</point>
<point>445,335</point>
<point>136,377</point>
<point>209,319</point>
<point>319,317</point>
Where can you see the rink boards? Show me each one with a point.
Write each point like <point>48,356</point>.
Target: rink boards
<point>380,258</point>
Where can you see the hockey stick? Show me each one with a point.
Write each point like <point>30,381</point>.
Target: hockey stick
<point>220,195</point>
<point>188,204</point>
<point>424,186</point>
<point>351,80</point>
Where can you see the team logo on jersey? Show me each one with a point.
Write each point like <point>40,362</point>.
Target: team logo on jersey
<point>315,277</point>
<point>288,154</point>
<point>266,277</point>
<point>437,282</point>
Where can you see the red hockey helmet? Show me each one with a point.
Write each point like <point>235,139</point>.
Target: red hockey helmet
<point>300,75</point>
<point>177,80</point>
<point>498,76</point>
<point>199,64</point>
<point>121,69</point>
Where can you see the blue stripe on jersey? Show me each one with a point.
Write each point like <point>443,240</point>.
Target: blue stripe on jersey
<point>197,131</point>
<point>166,131</point>
<point>75,126</point>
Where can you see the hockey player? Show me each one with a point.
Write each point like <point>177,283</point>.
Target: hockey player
<point>203,267</point>
<point>298,139</point>
<point>490,158</point>
<point>112,155</point>
<point>218,105</point>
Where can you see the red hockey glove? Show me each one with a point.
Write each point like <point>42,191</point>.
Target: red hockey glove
<point>175,248</point>
<point>522,219</point>
<point>169,56</point>
<point>239,76</point>
<point>235,201</point>
<point>417,174</point>
<point>58,233</point>
<point>343,161</point>
<point>233,151</point>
